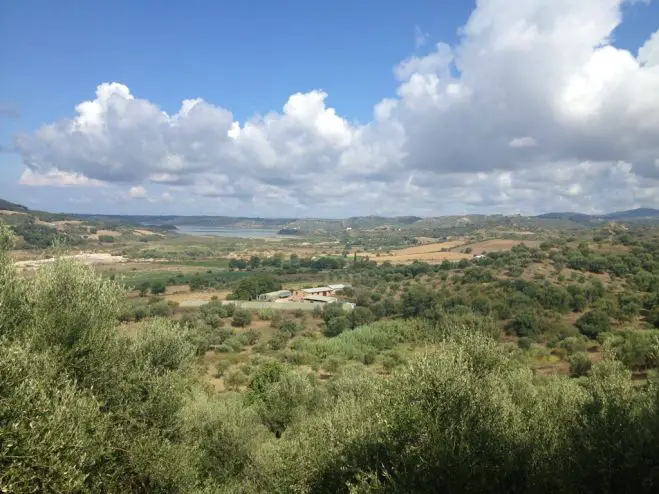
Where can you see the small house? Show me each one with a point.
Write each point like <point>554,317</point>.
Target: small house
<point>323,291</point>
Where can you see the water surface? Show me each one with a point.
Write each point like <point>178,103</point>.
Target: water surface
<point>220,231</point>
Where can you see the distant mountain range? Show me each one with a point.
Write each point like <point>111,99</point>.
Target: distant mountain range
<point>632,214</point>
<point>301,224</point>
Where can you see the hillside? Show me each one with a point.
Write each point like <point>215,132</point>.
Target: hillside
<point>12,206</point>
<point>632,214</point>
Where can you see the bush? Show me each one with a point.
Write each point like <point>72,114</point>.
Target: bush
<point>580,364</point>
<point>574,344</point>
<point>161,309</point>
<point>332,365</point>
<point>106,239</point>
<point>235,344</point>
<point>336,326</point>
<point>278,341</point>
<point>241,318</point>
<point>266,314</point>
<point>158,287</point>
<point>291,328</point>
<point>369,358</point>
<point>592,323</point>
<point>524,343</point>
<point>250,337</point>
<point>235,379</point>
<point>221,367</point>
<point>524,324</point>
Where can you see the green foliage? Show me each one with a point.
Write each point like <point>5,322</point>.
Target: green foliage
<point>444,407</point>
<point>580,364</point>
<point>638,350</point>
<point>524,324</point>
<point>241,318</point>
<point>235,378</point>
<point>592,323</point>
<point>251,287</point>
<point>106,239</point>
<point>39,236</point>
<point>158,287</point>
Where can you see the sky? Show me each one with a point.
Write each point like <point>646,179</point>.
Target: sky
<point>308,109</point>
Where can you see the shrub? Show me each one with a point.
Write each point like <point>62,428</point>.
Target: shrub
<point>332,365</point>
<point>278,341</point>
<point>221,367</point>
<point>266,314</point>
<point>291,328</point>
<point>161,309</point>
<point>250,337</point>
<point>524,342</point>
<point>241,318</point>
<point>235,344</point>
<point>158,287</point>
<point>224,348</point>
<point>592,323</point>
<point>580,364</point>
<point>235,378</point>
<point>336,326</point>
<point>524,324</point>
<point>369,358</point>
<point>574,344</point>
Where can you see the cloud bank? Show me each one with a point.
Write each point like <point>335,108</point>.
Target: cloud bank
<point>535,109</point>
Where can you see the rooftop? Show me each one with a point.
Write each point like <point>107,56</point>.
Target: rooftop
<point>318,289</point>
<point>320,298</point>
<point>278,293</point>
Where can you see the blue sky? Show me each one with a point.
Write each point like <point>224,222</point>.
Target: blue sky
<point>249,58</point>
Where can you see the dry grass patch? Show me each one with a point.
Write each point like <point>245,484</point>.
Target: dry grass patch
<point>432,252</point>
<point>187,296</point>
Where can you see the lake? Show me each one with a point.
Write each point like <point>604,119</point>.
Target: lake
<point>219,231</point>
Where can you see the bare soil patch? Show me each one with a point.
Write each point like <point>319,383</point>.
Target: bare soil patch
<point>141,232</point>
<point>432,252</point>
<point>86,257</point>
<point>64,223</point>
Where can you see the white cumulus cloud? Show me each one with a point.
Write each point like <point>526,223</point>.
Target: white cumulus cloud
<point>535,108</point>
<point>137,192</point>
<point>57,178</point>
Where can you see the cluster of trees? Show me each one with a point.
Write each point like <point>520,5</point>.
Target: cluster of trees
<point>293,265</point>
<point>37,236</point>
<point>251,287</point>
<point>86,409</point>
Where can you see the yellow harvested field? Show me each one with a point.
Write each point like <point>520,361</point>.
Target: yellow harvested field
<point>429,257</point>
<point>427,248</point>
<point>435,252</point>
<point>451,251</point>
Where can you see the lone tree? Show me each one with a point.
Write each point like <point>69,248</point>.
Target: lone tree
<point>241,318</point>
<point>593,323</point>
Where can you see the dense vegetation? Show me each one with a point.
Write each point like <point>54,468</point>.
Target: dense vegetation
<point>87,408</point>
